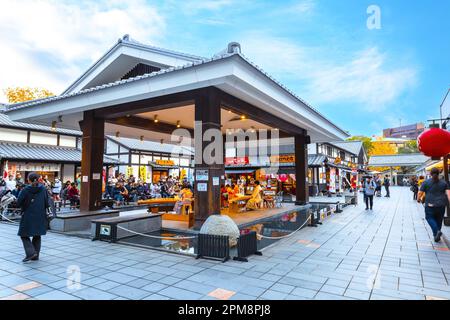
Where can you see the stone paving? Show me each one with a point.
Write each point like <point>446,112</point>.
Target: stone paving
<point>387,253</point>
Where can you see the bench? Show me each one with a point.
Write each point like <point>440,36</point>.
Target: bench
<point>107,228</point>
<point>79,221</point>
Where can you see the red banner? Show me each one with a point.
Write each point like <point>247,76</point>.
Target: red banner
<point>236,160</point>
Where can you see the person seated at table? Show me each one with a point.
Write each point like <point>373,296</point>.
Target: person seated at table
<point>230,191</point>
<point>119,193</point>
<point>73,195</point>
<point>185,199</point>
<point>224,196</point>
<point>164,190</point>
<point>255,201</point>
<point>132,192</point>
<point>155,191</point>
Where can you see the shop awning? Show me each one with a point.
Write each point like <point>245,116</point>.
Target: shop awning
<point>161,167</point>
<point>239,170</point>
<point>30,152</point>
<point>316,160</point>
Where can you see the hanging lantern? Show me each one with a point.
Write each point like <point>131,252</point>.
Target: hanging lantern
<point>283,177</point>
<point>434,142</point>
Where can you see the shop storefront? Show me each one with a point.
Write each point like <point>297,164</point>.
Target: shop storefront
<point>162,169</point>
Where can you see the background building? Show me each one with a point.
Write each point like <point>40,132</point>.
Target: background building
<point>411,131</point>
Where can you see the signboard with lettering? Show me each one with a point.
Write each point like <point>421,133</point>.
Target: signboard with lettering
<point>161,162</point>
<point>286,158</point>
<point>236,160</point>
<point>201,175</point>
<point>21,166</point>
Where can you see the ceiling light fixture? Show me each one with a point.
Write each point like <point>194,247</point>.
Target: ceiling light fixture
<point>243,117</point>
<point>117,134</point>
<point>155,119</point>
<point>142,138</point>
<point>53,125</point>
<point>178,124</point>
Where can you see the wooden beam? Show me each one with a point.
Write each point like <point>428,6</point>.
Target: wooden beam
<point>91,161</point>
<point>146,124</point>
<point>252,112</point>
<point>301,169</point>
<point>147,105</point>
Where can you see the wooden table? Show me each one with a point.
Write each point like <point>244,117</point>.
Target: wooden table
<point>237,203</point>
<point>167,204</point>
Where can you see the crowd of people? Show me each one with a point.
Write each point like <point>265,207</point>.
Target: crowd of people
<point>124,190</point>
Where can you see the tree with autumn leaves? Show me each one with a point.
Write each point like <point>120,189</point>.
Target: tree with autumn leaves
<point>22,94</point>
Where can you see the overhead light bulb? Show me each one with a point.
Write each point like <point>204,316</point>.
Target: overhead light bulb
<point>243,117</point>
<point>155,119</point>
<point>178,124</point>
<point>53,125</point>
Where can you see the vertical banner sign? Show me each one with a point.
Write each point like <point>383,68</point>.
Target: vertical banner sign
<point>129,171</point>
<point>143,173</point>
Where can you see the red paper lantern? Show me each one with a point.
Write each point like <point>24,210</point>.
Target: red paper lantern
<point>434,142</point>
<point>283,177</point>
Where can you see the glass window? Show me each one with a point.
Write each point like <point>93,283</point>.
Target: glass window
<point>184,162</point>
<point>135,158</point>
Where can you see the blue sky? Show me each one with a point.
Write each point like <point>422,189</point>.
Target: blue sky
<point>363,80</point>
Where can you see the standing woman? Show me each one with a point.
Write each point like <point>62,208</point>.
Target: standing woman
<point>34,203</point>
<point>369,191</point>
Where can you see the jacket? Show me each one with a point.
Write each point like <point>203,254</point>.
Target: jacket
<point>34,202</point>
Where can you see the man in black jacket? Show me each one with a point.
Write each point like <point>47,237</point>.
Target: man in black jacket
<point>387,183</point>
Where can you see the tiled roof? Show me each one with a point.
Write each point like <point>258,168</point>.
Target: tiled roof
<point>6,121</point>
<point>168,70</point>
<point>146,145</point>
<point>398,160</point>
<point>350,146</point>
<point>23,151</point>
<point>316,160</point>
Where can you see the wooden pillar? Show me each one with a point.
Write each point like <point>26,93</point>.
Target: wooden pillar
<point>207,188</point>
<point>446,178</point>
<point>301,169</point>
<point>91,161</point>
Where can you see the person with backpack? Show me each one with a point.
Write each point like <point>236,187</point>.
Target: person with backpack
<point>435,193</point>
<point>34,202</point>
<point>369,190</point>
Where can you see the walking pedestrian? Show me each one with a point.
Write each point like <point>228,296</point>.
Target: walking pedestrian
<point>369,190</point>
<point>387,184</point>
<point>414,188</point>
<point>437,196</point>
<point>33,200</point>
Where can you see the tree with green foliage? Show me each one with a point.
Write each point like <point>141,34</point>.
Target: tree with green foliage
<point>410,147</point>
<point>367,142</point>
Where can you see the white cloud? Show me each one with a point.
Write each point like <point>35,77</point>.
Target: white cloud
<point>67,36</point>
<point>322,76</point>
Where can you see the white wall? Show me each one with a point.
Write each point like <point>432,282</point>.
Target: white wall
<point>43,138</point>
<point>67,141</point>
<point>68,173</point>
<point>13,135</point>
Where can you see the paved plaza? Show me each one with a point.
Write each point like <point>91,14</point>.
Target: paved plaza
<point>385,254</point>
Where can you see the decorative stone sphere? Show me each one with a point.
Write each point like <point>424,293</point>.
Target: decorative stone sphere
<point>221,225</point>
